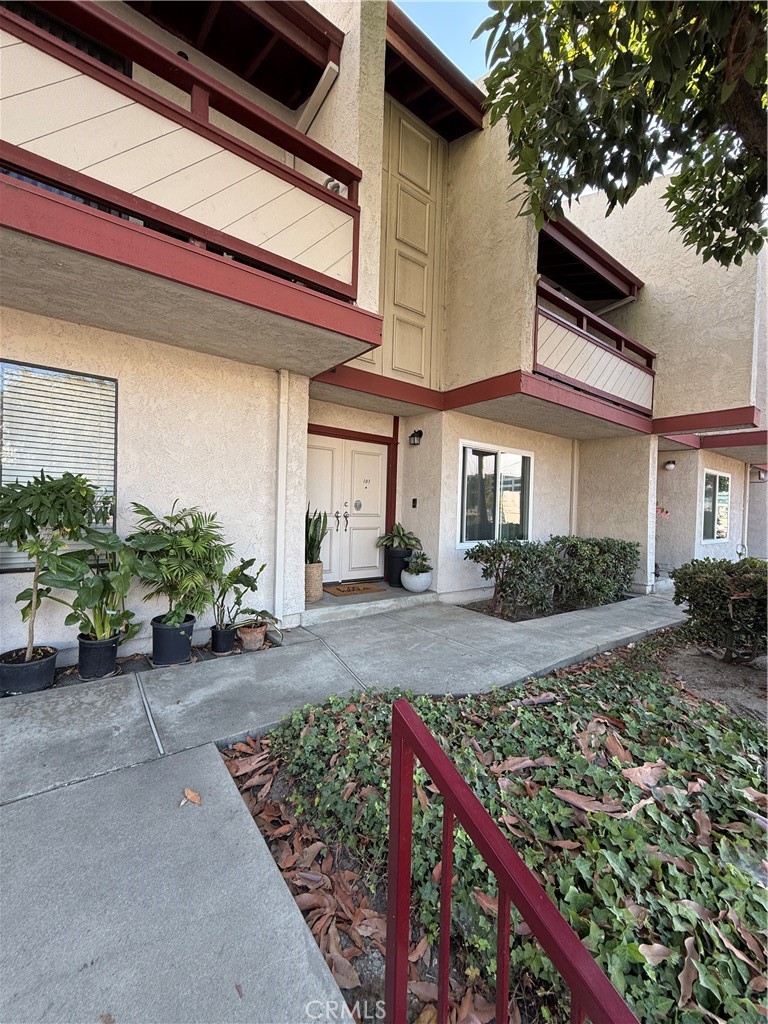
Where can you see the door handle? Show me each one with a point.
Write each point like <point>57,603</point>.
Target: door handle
<point>346,521</point>
<point>338,519</point>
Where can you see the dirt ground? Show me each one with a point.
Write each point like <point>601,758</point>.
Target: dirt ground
<point>742,688</point>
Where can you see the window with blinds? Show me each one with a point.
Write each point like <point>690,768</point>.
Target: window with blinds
<point>57,421</point>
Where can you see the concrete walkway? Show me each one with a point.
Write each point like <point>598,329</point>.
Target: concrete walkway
<point>118,905</point>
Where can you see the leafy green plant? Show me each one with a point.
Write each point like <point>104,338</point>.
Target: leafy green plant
<point>179,557</point>
<point>315,529</point>
<point>40,518</point>
<point>559,574</point>
<point>634,807</point>
<point>100,577</point>
<point>398,537</point>
<point>609,96</point>
<point>726,603</point>
<point>418,563</point>
<point>229,591</point>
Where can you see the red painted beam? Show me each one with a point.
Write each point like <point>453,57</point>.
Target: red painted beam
<point>720,419</point>
<point>744,440</point>
<point>691,440</point>
<point>33,211</point>
<point>385,387</point>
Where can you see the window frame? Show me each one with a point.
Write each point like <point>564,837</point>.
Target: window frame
<point>10,570</point>
<point>465,545</point>
<point>718,476</point>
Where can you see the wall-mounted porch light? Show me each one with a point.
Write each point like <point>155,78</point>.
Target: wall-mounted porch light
<point>415,437</point>
<point>670,465</point>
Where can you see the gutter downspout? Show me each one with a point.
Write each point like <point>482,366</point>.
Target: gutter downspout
<point>745,510</point>
<point>283,384</point>
<point>313,105</point>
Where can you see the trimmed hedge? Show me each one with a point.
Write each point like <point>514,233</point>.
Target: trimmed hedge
<point>726,603</point>
<point>560,574</point>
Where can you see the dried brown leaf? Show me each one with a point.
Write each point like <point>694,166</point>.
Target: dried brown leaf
<point>427,1016</point>
<point>688,975</point>
<point>489,904</point>
<point>425,991</point>
<point>587,803</point>
<point>655,952</point>
<point>193,796</point>
<point>647,775</point>
<point>420,949</point>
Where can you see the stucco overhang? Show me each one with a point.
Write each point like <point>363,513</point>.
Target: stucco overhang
<point>517,398</point>
<point>745,445</point>
<point>78,264</point>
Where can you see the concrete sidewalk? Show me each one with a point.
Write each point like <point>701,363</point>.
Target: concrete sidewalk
<point>119,905</point>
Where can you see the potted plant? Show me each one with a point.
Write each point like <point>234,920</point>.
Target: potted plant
<point>417,575</point>
<point>178,557</point>
<point>253,632</point>
<point>100,577</point>
<point>40,517</point>
<point>398,546</point>
<point>229,590</point>
<point>315,529</point>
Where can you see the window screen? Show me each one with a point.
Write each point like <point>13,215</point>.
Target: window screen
<point>57,421</point>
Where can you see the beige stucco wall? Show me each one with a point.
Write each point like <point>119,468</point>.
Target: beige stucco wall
<point>190,426</point>
<point>490,265</point>
<point>757,523</point>
<point>681,492</point>
<point>698,317</point>
<point>617,495</point>
<point>344,417</point>
<point>351,122</point>
<point>431,473</point>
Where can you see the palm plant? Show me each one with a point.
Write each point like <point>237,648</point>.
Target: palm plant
<point>179,557</point>
<point>398,537</point>
<point>316,527</point>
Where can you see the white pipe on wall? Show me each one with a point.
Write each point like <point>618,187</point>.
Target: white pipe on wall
<point>313,104</point>
<point>283,385</point>
<point>573,524</point>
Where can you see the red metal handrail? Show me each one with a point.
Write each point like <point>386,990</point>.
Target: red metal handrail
<point>592,994</point>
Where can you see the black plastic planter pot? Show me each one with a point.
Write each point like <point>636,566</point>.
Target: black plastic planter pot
<point>395,560</point>
<point>171,645</point>
<point>19,676</point>
<point>223,640</point>
<point>97,658</point>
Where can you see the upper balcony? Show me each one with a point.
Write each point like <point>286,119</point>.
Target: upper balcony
<point>73,122</point>
<point>578,348</point>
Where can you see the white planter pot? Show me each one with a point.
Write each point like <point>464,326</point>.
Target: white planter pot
<point>417,584</point>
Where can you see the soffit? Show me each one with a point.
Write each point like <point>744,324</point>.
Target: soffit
<point>279,48</point>
<point>421,78</point>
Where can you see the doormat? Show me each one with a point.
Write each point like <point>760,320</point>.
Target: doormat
<point>344,589</point>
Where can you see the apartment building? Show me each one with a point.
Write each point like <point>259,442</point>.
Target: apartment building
<point>259,255</point>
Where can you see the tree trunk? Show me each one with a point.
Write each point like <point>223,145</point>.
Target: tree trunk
<point>32,614</point>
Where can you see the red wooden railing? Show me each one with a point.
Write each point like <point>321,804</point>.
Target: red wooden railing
<point>593,996</point>
<point>205,93</point>
<point>591,326</point>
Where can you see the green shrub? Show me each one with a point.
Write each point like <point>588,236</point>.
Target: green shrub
<point>560,574</point>
<point>522,573</point>
<point>593,570</point>
<point>726,603</point>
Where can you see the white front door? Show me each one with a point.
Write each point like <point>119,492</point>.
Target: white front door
<point>348,480</point>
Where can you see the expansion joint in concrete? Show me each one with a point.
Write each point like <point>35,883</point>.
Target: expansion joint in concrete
<point>148,713</point>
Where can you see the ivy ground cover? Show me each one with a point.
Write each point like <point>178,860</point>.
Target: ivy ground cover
<point>639,809</point>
